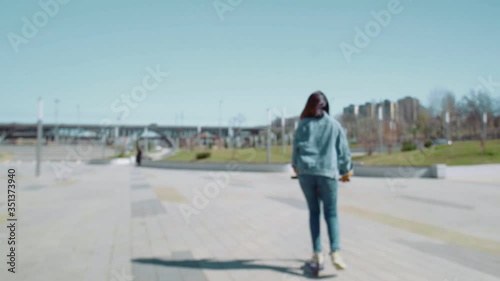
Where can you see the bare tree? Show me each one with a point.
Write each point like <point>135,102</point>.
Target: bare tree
<point>474,106</point>
<point>390,135</point>
<point>496,119</point>
<point>422,129</point>
<point>443,102</point>
<point>450,105</point>
<point>349,122</point>
<point>402,130</point>
<point>437,99</point>
<point>367,134</point>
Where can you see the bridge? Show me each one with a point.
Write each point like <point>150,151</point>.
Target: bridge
<point>67,133</point>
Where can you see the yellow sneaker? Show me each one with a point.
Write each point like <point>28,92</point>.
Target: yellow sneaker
<point>337,261</point>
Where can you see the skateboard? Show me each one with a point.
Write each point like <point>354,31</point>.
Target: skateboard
<point>294,177</point>
<point>312,268</point>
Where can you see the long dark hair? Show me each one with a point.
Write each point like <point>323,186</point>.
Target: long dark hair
<point>316,104</point>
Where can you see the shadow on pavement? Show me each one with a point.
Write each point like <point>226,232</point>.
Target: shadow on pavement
<point>212,264</point>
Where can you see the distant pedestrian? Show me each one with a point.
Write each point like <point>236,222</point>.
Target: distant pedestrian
<point>138,157</point>
<point>320,158</point>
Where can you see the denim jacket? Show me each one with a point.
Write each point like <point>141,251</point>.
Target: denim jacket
<point>320,147</point>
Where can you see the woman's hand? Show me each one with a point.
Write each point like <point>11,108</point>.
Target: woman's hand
<point>346,177</point>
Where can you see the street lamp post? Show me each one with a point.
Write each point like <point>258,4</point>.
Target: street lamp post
<point>78,126</point>
<point>198,136</point>
<point>381,128</point>
<point>220,119</point>
<point>268,144</point>
<point>146,141</point>
<point>56,130</point>
<point>283,143</point>
<point>115,139</point>
<point>447,119</point>
<point>392,135</point>
<point>485,121</point>
<point>39,136</point>
<point>103,139</point>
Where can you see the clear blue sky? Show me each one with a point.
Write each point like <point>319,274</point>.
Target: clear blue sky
<point>264,54</point>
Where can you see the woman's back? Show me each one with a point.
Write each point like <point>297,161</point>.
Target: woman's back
<point>321,148</point>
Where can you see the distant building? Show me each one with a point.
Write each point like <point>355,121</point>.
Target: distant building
<point>389,110</point>
<point>290,123</point>
<point>352,110</point>
<point>368,110</point>
<point>405,110</point>
<point>408,109</point>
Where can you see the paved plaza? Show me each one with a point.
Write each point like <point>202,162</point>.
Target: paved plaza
<point>123,223</point>
<point>86,150</point>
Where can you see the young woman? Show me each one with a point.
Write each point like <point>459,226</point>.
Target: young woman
<point>320,158</point>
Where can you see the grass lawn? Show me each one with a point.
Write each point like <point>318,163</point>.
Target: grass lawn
<point>354,145</point>
<point>246,155</point>
<point>459,153</point>
<point>123,155</point>
<point>132,153</point>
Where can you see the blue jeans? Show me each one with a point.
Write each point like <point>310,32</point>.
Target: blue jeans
<point>316,189</point>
